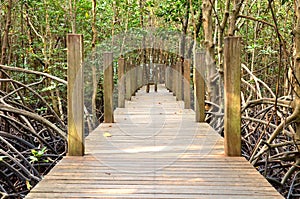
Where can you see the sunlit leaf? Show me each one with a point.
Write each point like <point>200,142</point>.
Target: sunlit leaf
<point>107,134</point>
<point>33,159</point>
<point>28,185</point>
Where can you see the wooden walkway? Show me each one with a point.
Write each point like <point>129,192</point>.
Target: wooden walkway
<point>154,150</point>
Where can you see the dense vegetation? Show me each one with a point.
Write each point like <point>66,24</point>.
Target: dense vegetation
<point>33,95</point>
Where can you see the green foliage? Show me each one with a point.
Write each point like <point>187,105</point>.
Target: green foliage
<point>37,155</point>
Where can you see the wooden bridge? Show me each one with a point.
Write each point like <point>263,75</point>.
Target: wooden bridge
<point>152,146</point>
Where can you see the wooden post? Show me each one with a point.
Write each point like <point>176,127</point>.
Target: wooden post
<point>132,77</point>
<point>75,95</point>
<point>167,78</point>
<point>199,87</point>
<point>121,83</point>
<point>232,82</point>
<point>128,82</point>
<point>179,80</point>
<point>145,78</point>
<point>163,73</point>
<point>187,84</point>
<point>108,87</point>
<point>174,78</point>
<point>139,76</point>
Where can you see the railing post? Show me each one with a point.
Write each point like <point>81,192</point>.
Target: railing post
<point>187,83</point>
<point>167,78</point>
<point>179,80</point>
<point>121,83</point>
<point>145,78</point>
<point>199,87</point>
<point>128,81</point>
<point>139,76</point>
<point>232,82</point>
<point>163,73</point>
<point>133,78</point>
<point>75,95</point>
<point>108,87</point>
<point>174,78</point>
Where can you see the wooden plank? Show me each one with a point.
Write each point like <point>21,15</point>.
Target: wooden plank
<point>232,91</point>
<point>149,196</point>
<point>75,95</point>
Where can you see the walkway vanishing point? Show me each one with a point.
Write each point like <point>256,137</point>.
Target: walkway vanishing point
<point>154,149</point>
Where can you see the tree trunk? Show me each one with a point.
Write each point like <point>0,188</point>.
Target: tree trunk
<point>72,12</point>
<point>94,69</point>
<point>209,48</point>
<point>297,66</point>
<point>5,42</point>
<point>233,17</point>
<point>185,23</point>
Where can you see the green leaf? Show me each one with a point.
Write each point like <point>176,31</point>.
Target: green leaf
<point>49,88</point>
<point>33,159</point>
<point>38,154</point>
<point>284,1</point>
<point>42,109</point>
<point>28,185</point>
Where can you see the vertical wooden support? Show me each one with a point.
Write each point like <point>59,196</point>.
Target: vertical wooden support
<point>108,87</point>
<point>128,82</point>
<point>75,95</point>
<point>139,77</point>
<point>163,73</point>
<point>145,79</point>
<point>232,81</point>
<point>174,79</point>
<point>187,84</point>
<point>132,77</point>
<point>121,83</point>
<point>199,87</point>
<point>179,81</point>
<point>167,78</point>
<point>136,77</point>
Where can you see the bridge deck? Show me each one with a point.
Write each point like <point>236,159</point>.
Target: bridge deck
<point>154,150</point>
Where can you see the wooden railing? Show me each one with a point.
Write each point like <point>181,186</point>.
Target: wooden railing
<point>132,76</point>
